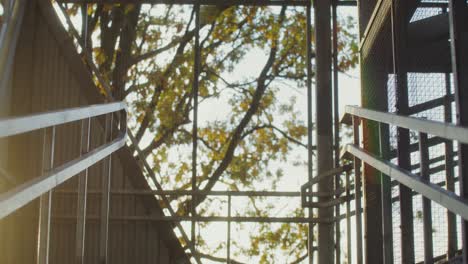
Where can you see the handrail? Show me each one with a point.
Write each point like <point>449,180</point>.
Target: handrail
<point>307,193</point>
<point>441,129</point>
<point>19,196</point>
<point>326,174</point>
<point>32,189</point>
<point>447,199</point>
<point>18,125</point>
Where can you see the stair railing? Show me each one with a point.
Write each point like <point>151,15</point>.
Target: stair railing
<point>419,183</point>
<point>24,193</point>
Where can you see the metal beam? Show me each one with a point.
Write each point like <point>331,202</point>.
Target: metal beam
<point>197,192</point>
<point>450,173</point>
<point>236,219</point>
<point>194,2</point>
<point>196,79</point>
<point>209,2</point>
<point>310,161</point>
<point>459,55</point>
<point>324,124</point>
<point>247,219</point>
<point>9,34</point>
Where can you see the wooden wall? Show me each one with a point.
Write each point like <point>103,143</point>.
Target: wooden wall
<point>49,75</point>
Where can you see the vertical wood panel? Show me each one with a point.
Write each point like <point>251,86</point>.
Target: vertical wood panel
<point>45,78</point>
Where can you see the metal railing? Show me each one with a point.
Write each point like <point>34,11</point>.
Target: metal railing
<point>421,183</point>
<point>24,193</point>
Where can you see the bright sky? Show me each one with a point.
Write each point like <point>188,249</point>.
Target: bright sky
<point>294,176</point>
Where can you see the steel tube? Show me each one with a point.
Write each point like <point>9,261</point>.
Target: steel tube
<point>310,167</point>
<point>18,125</point>
<point>459,55</point>
<point>82,194</point>
<point>348,220</point>
<point>386,193</point>
<point>229,231</point>
<point>45,203</point>
<point>450,174</point>
<point>357,192</point>
<point>105,192</point>
<point>336,126</point>
<point>196,73</point>
<point>324,124</point>
<point>430,127</point>
<point>204,2</point>
<point>427,211</point>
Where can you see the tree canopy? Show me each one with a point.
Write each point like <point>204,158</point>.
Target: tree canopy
<point>146,53</point>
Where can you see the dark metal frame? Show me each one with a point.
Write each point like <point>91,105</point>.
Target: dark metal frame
<point>327,204</point>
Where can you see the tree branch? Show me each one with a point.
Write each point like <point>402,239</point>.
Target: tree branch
<point>254,106</point>
<point>217,259</point>
<point>300,259</point>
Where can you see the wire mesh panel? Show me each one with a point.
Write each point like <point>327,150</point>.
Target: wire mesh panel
<point>429,86</point>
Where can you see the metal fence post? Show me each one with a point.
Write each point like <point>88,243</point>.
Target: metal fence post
<point>105,194</point>
<point>45,207</point>
<point>348,220</point>
<point>82,193</point>
<point>399,18</point>
<point>229,231</point>
<point>386,192</point>
<point>427,211</point>
<point>196,73</point>
<point>357,193</point>
<point>458,43</point>
<point>310,163</point>
<point>449,172</point>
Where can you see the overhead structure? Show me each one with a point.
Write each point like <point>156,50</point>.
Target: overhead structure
<point>88,195</point>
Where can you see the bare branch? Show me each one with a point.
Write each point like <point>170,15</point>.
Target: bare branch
<point>217,259</point>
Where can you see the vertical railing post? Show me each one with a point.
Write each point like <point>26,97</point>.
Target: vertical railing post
<point>45,207</point>
<point>449,172</point>
<point>427,212</point>
<point>348,220</point>
<point>196,75</point>
<point>82,193</point>
<point>459,41</point>
<point>452,243</point>
<point>399,24</point>
<point>357,192</point>
<point>386,192</point>
<point>310,235</point>
<point>229,231</point>
<point>324,126</point>
<point>336,126</point>
<point>105,194</point>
